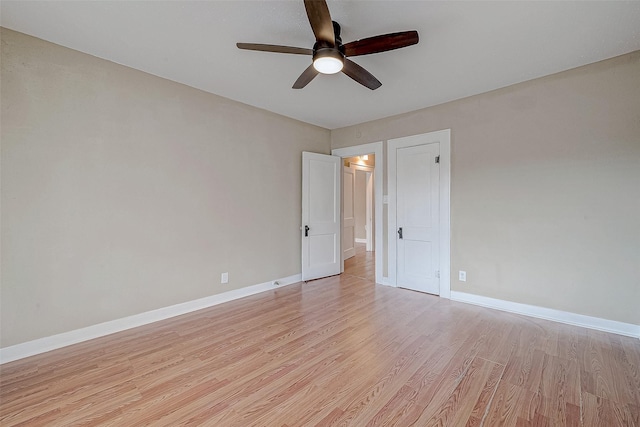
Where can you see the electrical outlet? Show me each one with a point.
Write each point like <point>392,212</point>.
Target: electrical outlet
<point>224,278</point>
<point>462,276</point>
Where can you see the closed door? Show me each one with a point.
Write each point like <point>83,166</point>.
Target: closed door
<point>320,215</point>
<point>417,218</point>
<point>349,220</point>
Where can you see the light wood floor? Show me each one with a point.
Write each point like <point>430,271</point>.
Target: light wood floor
<point>362,265</point>
<point>336,351</point>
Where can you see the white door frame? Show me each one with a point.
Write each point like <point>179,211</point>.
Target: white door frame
<point>378,174</point>
<point>444,138</point>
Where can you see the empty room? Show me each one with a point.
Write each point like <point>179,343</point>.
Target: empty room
<point>319,213</point>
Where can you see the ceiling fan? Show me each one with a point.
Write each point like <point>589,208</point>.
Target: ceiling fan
<point>330,55</point>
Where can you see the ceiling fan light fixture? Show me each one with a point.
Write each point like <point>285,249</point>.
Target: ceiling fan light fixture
<point>329,54</point>
<point>328,61</point>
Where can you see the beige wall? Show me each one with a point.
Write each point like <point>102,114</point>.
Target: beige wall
<point>545,190</point>
<point>119,195</point>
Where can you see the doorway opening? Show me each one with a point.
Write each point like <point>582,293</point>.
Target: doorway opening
<point>358,216</point>
<point>361,214</point>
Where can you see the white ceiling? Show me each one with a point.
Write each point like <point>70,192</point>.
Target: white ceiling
<point>465,48</point>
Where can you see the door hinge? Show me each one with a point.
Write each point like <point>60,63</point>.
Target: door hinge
<point>437,274</point>
<point>437,159</point>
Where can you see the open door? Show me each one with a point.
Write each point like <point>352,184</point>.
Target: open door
<point>320,215</point>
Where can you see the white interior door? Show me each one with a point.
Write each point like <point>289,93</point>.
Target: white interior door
<point>417,218</point>
<point>349,220</point>
<point>320,215</point>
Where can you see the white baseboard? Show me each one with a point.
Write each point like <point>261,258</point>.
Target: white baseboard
<point>41,345</point>
<point>361,240</point>
<point>590,322</point>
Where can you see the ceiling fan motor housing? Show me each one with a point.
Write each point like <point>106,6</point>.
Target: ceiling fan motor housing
<point>323,49</point>
<point>336,32</point>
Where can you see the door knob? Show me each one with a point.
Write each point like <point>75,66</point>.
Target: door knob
<point>306,231</point>
<point>400,232</point>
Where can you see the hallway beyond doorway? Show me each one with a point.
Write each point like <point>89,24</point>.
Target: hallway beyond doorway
<point>362,265</point>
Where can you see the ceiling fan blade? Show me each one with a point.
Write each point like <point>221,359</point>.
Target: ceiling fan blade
<point>320,20</point>
<point>275,48</point>
<point>306,76</point>
<point>360,75</point>
<point>381,43</point>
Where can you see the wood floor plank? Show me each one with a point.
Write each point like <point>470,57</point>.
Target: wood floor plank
<point>362,265</point>
<point>335,351</point>
<point>504,409</point>
<point>600,411</point>
<point>360,406</point>
<point>431,386</point>
<point>480,377</point>
<point>355,373</point>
